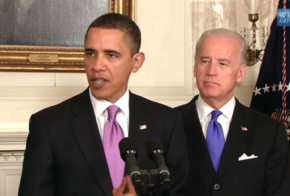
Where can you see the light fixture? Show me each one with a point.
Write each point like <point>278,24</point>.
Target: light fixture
<point>253,8</point>
<point>221,14</point>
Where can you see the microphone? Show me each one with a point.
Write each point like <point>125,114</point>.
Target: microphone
<point>129,156</point>
<point>155,149</point>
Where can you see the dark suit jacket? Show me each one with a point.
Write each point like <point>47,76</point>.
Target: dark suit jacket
<point>64,154</point>
<point>264,176</point>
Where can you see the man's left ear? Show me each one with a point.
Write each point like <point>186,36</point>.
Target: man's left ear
<point>241,73</point>
<point>138,60</point>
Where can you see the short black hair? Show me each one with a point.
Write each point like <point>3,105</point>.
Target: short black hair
<point>122,23</point>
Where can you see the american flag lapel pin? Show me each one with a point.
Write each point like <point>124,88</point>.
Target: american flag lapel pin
<point>143,127</point>
<point>244,128</point>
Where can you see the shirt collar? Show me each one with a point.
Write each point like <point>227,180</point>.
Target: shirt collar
<point>203,109</point>
<point>101,105</point>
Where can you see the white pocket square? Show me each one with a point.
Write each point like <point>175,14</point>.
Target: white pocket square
<point>245,157</point>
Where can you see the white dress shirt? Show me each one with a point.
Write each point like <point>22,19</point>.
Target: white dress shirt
<point>101,113</point>
<point>204,115</point>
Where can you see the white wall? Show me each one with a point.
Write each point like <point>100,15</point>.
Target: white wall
<point>169,28</point>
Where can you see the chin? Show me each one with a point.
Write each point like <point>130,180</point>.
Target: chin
<point>210,94</point>
<point>99,95</point>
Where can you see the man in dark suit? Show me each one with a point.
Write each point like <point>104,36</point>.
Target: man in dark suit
<point>233,150</point>
<point>69,149</point>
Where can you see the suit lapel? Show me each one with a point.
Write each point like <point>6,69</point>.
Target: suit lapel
<point>195,135</point>
<point>235,140</point>
<point>85,128</point>
<point>138,117</point>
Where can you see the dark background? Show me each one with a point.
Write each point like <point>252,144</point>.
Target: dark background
<point>48,22</point>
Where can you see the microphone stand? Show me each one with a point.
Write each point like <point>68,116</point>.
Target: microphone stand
<point>149,188</point>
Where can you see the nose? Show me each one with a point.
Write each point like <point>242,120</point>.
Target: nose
<point>99,64</point>
<point>212,69</point>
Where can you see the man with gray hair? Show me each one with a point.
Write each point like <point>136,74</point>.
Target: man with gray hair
<point>233,150</point>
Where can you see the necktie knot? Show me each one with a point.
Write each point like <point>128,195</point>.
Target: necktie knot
<point>215,114</point>
<point>112,112</point>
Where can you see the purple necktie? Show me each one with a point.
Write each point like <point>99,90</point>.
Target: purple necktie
<point>112,135</point>
<point>215,139</point>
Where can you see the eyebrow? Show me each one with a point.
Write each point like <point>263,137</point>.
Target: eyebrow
<point>106,51</point>
<point>221,59</point>
<point>112,52</point>
<point>89,50</point>
<point>204,57</point>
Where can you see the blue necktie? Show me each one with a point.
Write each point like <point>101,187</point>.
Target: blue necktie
<point>215,139</point>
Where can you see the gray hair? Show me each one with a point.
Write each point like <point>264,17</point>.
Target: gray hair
<point>224,33</point>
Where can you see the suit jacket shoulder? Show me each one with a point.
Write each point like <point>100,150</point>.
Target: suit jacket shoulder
<point>56,110</point>
<point>151,106</point>
<point>263,125</point>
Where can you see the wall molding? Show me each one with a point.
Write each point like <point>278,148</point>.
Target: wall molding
<point>7,172</point>
<point>11,157</point>
<point>13,140</point>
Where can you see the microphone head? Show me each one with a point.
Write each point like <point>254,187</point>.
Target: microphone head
<point>154,146</point>
<point>126,146</point>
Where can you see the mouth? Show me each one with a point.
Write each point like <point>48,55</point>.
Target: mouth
<point>99,82</point>
<point>210,83</point>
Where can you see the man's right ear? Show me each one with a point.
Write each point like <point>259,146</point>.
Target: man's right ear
<point>138,59</point>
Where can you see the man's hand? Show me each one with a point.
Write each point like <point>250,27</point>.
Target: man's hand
<point>126,185</point>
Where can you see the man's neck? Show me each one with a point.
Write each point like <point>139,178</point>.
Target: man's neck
<point>216,103</point>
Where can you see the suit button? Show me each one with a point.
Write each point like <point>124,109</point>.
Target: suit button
<point>216,187</point>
